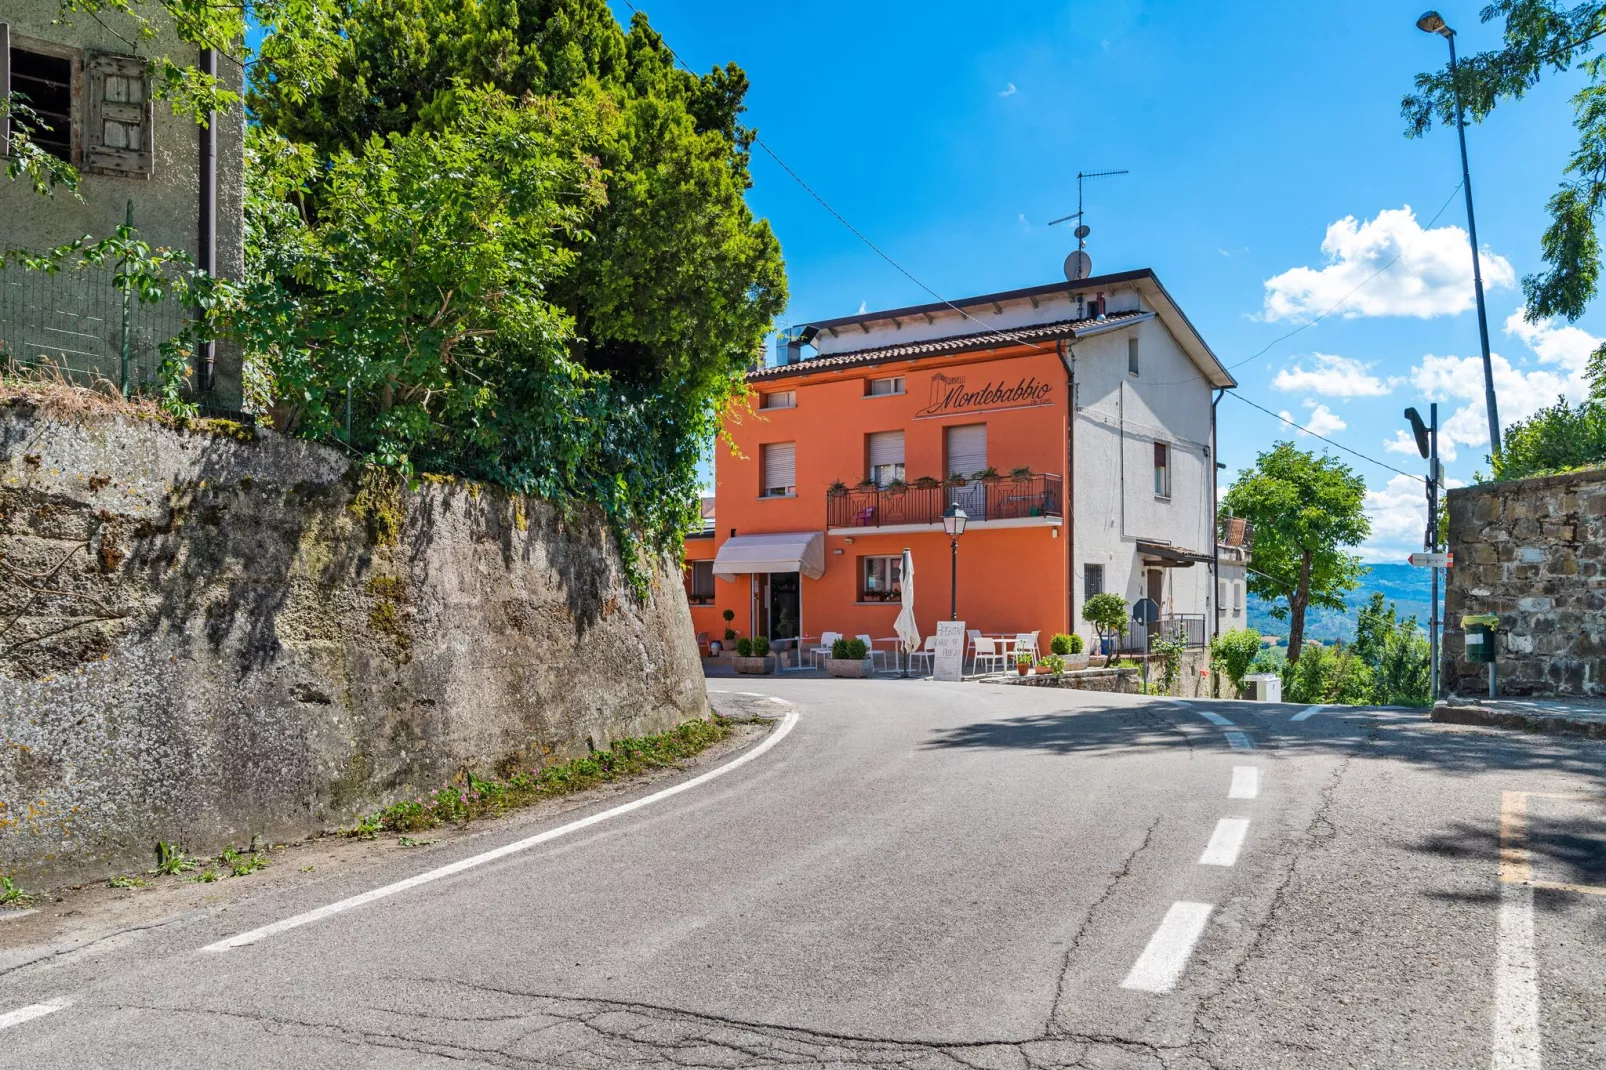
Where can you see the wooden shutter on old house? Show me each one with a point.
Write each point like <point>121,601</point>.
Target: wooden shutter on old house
<point>119,136</point>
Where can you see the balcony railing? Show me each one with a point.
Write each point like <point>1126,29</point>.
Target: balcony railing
<point>1004,498</point>
<point>1189,627</point>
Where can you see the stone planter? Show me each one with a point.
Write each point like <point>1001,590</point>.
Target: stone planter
<point>1075,661</point>
<point>764,666</point>
<point>850,668</point>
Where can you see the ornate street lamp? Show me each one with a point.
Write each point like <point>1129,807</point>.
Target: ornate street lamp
<point>953,522</point>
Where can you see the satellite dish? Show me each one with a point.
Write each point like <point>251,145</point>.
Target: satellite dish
<point>1078,266</point>
<point>1083,231</point>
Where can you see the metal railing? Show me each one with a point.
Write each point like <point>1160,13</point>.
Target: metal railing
<point>1189,626</point>
<point>1006,498</point>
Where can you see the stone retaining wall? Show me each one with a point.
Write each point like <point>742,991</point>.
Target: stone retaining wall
<point>1531,551</point>
<point>205,637</point>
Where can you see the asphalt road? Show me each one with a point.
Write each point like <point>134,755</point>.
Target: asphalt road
<point>923,875</point>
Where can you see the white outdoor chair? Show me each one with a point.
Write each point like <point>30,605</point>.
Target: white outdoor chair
<point>988,650</point>
<point>1026,643</point>
<point>869,646</point>
<point>927,651</point>
<point>824,649</point>
<point>971,635</point>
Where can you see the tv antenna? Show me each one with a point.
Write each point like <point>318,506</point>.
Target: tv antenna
<point>1079,265</point>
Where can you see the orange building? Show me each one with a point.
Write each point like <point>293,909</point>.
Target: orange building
<point>1073,423</point>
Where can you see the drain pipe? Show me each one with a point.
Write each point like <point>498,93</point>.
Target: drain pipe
<point>1068,358</point>
<point>206,229</point>
<point>1215,535</point>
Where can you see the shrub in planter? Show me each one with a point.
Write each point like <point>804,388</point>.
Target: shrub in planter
<point>1063,644</point>
<point>761,645</point>
<point>1052,663</point>
<point>753,656</point>
<point>1023,664</point>
<point>850,658</point>
<point>744,648</point>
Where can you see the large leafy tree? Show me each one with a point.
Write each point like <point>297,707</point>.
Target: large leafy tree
<point>1540,37</point>
<point>1306,511</point>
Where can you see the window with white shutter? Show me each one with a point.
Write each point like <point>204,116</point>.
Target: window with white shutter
<point>966,447</point>
<point>118,136</point>
<point>780,470</point>
<point>885,449</point>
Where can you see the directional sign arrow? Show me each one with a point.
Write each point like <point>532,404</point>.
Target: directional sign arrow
<point>1439,560</point>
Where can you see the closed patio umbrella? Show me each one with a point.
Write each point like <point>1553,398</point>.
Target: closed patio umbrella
<point>908,633</point>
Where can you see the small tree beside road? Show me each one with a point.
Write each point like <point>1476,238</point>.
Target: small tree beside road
<point>1107,613</point>
<point>1306,509</point>
<point>1233,653</point>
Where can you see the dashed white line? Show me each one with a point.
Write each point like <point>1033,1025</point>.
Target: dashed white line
<point>32,1011</point>
<point>1166,956</point>
<point>1225,842</point>
<point>252,936</point>
<point>1214,718</point>
<point>1245,782</point>
<point>1308,712</point>
<point>1238,741</point>
<point>1516,982</point>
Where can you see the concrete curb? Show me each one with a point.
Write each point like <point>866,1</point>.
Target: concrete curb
<point>1446,713</point>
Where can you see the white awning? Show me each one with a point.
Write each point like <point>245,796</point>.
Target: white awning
<point>791,551</point>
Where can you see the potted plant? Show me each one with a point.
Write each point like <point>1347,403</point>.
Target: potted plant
<point>837,488</point>
<point>1023,664</point>
<point>897,486</point>
<point>1021,473</point>
<point>1069,648</point>
<point>956,480</point>
<point>850,659</point>
<point>866,484</point>
<point>730,633</point>
<point>986,475</point>
<point>1051,663</point>
<point>753,657</point>
<point>1107,613</point>
<point>928,483</point>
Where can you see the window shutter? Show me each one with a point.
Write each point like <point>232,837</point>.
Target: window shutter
<point>967,449</point>
<point>780,467</point>
<point>119,134</point>
<point>886,447</point>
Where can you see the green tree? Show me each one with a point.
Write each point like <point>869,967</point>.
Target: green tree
<point>1540,37</point>
<point>1396,651</point>
<point>1328,675</point>
<point>1305,510</point>
<point>1233,652</point>
<point>1554,439</point>
<point>1107,613</point>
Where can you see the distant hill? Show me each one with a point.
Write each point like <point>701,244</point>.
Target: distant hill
<point>1406,586</point>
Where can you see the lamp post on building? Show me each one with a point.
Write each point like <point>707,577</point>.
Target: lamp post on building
<point>953,522</point>
<point>1433,22</point>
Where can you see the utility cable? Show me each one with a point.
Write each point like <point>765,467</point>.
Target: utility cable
<point>1324,438</point>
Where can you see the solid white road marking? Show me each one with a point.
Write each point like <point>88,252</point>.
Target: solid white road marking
<point>1238,741</point>
<point>1308,712</point>
<point>1225,842</point>
<point>1245,782</point>
<point>13,915</point>
<point>365,898</point>
<point>1516,982</point>
<point>748,694</point>
<point>782,701</point>
<point>32,1011</point>
<point>1214,718</point>
<point>1166,955</point>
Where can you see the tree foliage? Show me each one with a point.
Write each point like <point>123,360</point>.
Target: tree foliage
<point>1397,651</point>
<point>1107,613</point>
<point>1559,438</point>
<point>1233,652</point>
<point>1540,37</point>
<point>1306,510</point>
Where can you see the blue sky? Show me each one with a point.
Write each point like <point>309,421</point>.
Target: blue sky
<point>1269,176</point>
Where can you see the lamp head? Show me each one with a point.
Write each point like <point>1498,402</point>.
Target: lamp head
<point>1418,429</point>
<point>953,521</point>
<point>1433,22</point>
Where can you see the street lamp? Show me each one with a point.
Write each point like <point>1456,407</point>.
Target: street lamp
<point>953,522</point>
<point>1433,22</point>
<point>1427,444</point>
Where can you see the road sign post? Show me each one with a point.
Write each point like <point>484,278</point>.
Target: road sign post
<point>1434,561</point>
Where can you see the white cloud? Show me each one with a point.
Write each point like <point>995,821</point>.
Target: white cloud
<point>1519,392</point>
<point>1321,421</point>
<point>1432,276</point>
<point>864,306</point>
<point>1011,91</point>
<point>1333,377</point>
<point>1399,515</point>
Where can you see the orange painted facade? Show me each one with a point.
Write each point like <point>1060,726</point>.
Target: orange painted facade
<point>1013,570</point>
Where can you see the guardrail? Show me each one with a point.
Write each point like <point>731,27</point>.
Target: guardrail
<point>1004,498</point>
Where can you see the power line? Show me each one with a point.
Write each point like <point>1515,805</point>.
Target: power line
<point>1324,438</point>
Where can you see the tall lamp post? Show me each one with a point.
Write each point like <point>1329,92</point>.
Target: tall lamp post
<point>953,522</point>
<point>1427,444</point>
<point>1433,22</point>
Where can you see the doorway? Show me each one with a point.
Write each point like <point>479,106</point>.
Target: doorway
<point>784,605</point>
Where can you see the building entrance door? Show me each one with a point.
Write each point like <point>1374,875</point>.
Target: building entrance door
<point>783,605</point>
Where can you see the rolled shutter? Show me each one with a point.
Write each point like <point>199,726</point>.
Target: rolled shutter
<point>119,135</point>
<point>886,447</point>
<point>780,468</point>
<point>967,449</point>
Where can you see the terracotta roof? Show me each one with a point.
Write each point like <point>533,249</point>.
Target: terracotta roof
<point>933,347</point>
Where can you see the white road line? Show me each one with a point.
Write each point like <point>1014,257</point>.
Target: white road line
<point>13,915</point>
<point>1238,741</point>
<point>782,701</point>
<point>748,694</point>
<point>32,1011</point>
<point>1516,982</point>
<point>1214,718</point>
<point>718,691</point>
<point>1225,842</point>
<point>1308,712</point>
<point>365,898</point>
<point>1245,782</point>
<point>1166,955</point>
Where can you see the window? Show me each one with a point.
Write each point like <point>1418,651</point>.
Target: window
<point>700,583</point>
<point>966,448</point>
<point>884,450</point>
<point>880,579</point>
<point>780,470</point>
<point>1162,470</point>
<point>1092,581</point>
<point>44,82</point>
<point>779,399</point>
<point>1132,356</point>
<point>117,138</point>
<point>878,388</point>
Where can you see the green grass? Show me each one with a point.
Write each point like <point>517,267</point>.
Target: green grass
<point>11,895</point>
<point>470,797</point>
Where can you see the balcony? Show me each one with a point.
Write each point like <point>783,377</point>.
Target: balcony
<point>1007,501</point>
